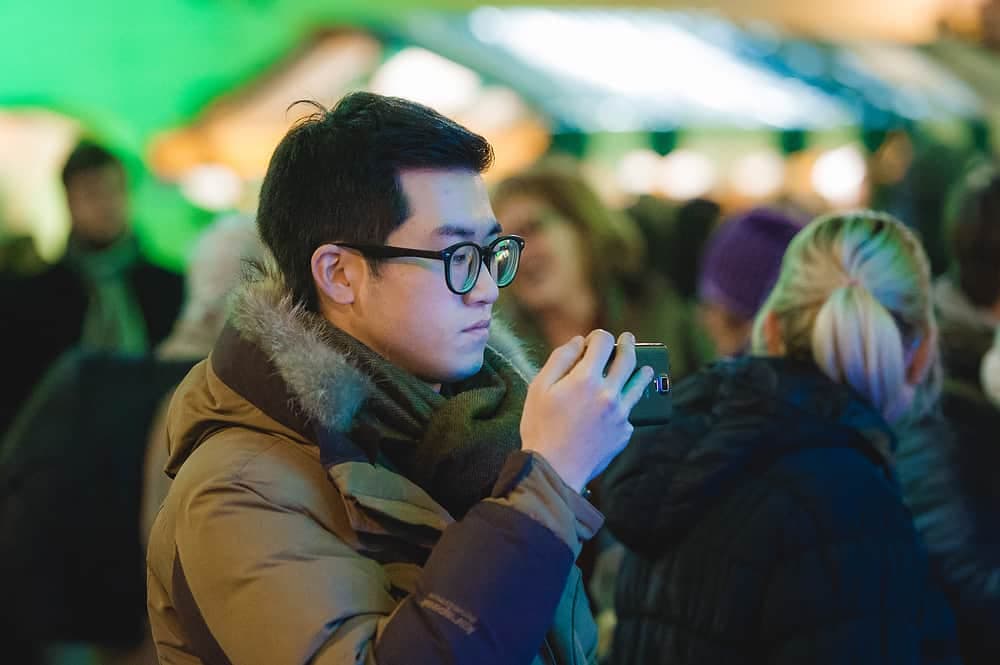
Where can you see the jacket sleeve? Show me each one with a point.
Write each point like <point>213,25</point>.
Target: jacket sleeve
<point>273,585</point>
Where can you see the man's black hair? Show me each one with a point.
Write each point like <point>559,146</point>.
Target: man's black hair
<point>335,177</point>
<point>87,156</point>
<point>974,234</point>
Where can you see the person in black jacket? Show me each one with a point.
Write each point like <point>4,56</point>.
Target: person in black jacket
<point>948,466</point>
<point>81,475</point>
<point>764,522</point>
<point>102,294</point>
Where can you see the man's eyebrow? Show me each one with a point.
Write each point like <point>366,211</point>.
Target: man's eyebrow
<point>464,232</point>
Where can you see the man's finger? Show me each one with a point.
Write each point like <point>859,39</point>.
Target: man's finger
<point>600,344</point>
<point>624,363</point>
<point>636,386</point>
<point>560,362</point>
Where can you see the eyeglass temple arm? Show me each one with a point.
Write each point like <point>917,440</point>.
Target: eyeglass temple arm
<point>389,252</point>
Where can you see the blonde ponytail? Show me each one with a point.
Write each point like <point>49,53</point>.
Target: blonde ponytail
<point>854,296</point>
<point>855,341</point>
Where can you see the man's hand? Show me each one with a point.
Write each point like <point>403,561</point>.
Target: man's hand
<point>575,416</point>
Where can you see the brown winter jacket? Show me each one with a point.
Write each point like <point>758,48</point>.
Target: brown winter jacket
<point>281,543</point>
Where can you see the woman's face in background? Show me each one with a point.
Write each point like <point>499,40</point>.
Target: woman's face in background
<point>553,265</point>
<point>730,333</point>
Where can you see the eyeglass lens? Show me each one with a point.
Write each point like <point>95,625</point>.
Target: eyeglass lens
<point>502,263</point>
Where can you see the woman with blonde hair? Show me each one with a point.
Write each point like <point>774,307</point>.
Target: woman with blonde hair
<point>764,522</point>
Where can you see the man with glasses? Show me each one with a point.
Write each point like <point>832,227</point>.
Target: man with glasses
<point>367,469</point>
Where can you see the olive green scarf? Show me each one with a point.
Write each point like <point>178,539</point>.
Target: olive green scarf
<point>114,320</point>
<point>453,443</point>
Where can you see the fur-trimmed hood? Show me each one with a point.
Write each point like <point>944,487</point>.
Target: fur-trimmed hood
<point>276,355</point>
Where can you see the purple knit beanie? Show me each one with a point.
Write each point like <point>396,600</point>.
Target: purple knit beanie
<point>742,260</point>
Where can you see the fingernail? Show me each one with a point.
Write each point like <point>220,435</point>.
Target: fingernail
<point>630,337</point>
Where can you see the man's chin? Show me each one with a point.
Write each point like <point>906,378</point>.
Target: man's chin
<point>457,374</point>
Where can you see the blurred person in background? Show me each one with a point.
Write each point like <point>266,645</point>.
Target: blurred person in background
<point>675,237</point>
<point>221,257</point>
<point>990,371</point>
<point>739,267</point>
<point>948,462</point>
<point>80,483</point>
<point>764,522</point>
<point>584,267</point>
<point>102,294</point>
<point>18,256</point>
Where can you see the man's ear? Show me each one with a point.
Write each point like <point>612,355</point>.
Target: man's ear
<point>337,273</point>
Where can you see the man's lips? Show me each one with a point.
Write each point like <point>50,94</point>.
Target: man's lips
<point>481,325</point>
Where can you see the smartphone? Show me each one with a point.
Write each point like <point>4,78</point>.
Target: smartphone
<point>656,405</point>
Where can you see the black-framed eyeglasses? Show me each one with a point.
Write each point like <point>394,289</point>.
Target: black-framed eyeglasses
<point>462,261</point>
